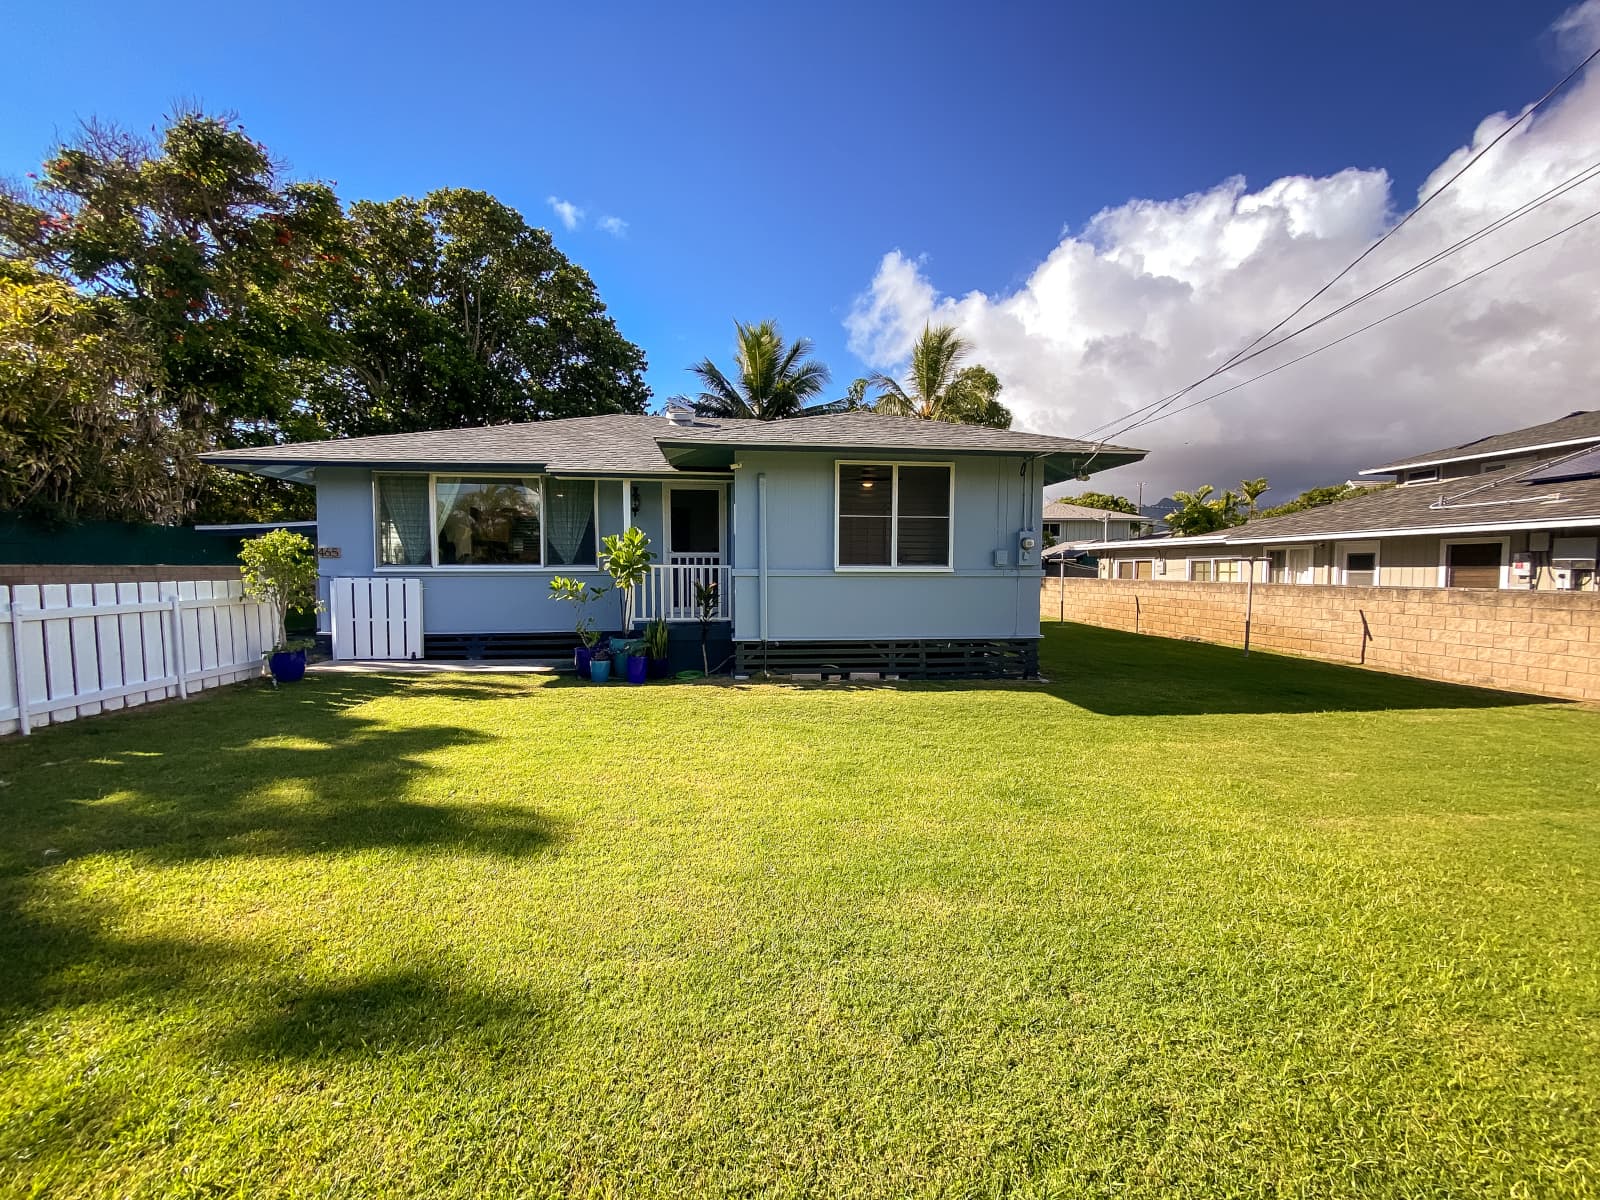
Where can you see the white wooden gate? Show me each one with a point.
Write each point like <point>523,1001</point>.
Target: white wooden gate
<point>375,618</point>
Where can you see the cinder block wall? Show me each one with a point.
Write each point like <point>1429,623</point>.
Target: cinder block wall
<point>12,574</point>
<point>1542,642</point>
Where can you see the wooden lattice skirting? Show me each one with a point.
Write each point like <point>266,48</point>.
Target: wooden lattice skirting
<point>916,658</point>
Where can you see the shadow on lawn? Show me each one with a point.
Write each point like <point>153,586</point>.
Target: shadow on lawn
<point>1129,674</point>
<point>393,1012</point>
<point>301,771</point>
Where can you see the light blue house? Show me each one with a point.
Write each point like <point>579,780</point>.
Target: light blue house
<point>844,542</point>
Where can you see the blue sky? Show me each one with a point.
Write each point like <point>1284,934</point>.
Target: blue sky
<point>765,158</point>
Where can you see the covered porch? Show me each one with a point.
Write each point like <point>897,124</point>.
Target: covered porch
<point>690,526</point>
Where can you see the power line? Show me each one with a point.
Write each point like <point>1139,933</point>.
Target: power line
<point>1372,324</point>
<point>1236,357</point>
<point>1550,194</point>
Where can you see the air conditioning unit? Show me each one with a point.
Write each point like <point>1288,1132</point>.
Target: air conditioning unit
<point>1574,552</point>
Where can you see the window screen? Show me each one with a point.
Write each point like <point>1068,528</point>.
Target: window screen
<point>923,526</point>
<point>866,515</point>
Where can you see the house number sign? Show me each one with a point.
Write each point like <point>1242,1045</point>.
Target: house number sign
<point>328,552</point>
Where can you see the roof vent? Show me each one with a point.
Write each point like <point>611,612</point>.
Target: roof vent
<point>680,414</point>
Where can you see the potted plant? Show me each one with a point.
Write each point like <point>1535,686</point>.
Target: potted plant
<point>633,653</point>
<point>280,570</point>
<point>655,647</point>
<point>627,558</point>
<point>600,664</point>
<point>580,595</point>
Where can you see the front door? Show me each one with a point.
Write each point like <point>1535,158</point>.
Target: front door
<point>695,525</point>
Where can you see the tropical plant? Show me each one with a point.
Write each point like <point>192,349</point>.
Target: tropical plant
<point>655,638</point>
<point>626,557</point>
<point>1103,500</point>
<point>706,602</point>
<point>1318,496</point>
<point>1250,490</point>
<point>938,388</point>
<point>772,379</point>
<point>280,571</point>
<point>580,595</point>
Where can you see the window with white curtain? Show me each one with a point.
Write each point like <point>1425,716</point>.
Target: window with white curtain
<point>569,523</point>
<point>485,521</point>
<point>404,536</point>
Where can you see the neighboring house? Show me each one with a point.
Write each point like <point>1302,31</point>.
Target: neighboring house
<point>889,543</point>
<point>1515,510</point>
<point>1065,522</point>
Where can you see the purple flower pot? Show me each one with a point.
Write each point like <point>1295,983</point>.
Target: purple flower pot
<point>638,664</point>
<point>580,659</point>
<point>287,665</point>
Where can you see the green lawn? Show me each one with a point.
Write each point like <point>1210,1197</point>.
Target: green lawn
<point>1176,923</point>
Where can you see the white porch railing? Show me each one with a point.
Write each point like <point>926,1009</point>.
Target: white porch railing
<point>669,590</point>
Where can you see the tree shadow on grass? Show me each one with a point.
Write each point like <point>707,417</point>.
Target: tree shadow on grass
<point>1128,674</point>
<point>395,1012</point>
<point>297,772</point>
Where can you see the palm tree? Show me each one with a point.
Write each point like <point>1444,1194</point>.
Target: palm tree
<point>938,388</point>
<point>773,380</point>
<point>1251,490</point>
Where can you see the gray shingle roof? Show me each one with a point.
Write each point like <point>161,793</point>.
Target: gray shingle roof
<point>1468,502</point>
<point>1574,427</point>
<point>624,444</point>
<point>619,443</point>
<point>1062,510</point>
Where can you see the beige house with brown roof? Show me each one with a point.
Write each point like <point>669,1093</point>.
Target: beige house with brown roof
<point>1517,510</point>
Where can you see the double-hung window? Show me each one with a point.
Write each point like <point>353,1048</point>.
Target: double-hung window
<point>484,521</point>
<point>893,515</point>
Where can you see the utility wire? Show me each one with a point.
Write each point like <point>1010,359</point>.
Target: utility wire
<point>1373,324</point>
<point>1233,360</point>
<point>1131,420</point>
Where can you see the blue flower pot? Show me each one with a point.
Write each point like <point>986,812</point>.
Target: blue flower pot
<point>600,669</point>
<point>287,665</point>
<point>638,664</point>
<point>580,659</point>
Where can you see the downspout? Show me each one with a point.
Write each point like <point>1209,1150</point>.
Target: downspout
<point>761,550</point>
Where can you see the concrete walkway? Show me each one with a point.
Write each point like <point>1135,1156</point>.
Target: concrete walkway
<point>407,666</point>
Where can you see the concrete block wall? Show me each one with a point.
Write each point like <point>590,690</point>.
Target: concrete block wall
<point>1547,643</point>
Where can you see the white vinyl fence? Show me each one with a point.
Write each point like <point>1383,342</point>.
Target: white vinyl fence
<point>76,650</point>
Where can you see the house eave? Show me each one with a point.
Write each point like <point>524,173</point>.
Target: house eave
<point>1504,452</point>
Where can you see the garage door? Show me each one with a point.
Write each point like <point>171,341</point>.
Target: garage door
<point>1473,565</point>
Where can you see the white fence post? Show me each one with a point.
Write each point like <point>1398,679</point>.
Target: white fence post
<point>19,670</point>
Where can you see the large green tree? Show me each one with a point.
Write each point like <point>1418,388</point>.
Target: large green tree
<point>772,378</point>
<point>938,388</point>
<point>458,312</point>
<point>217,270</point>
<point>1103,500</point>
<point>81,435</point>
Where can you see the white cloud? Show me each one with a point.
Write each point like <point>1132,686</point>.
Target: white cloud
<point>1152,294</point>
<point>615,226</point>
<point>569,214</point>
